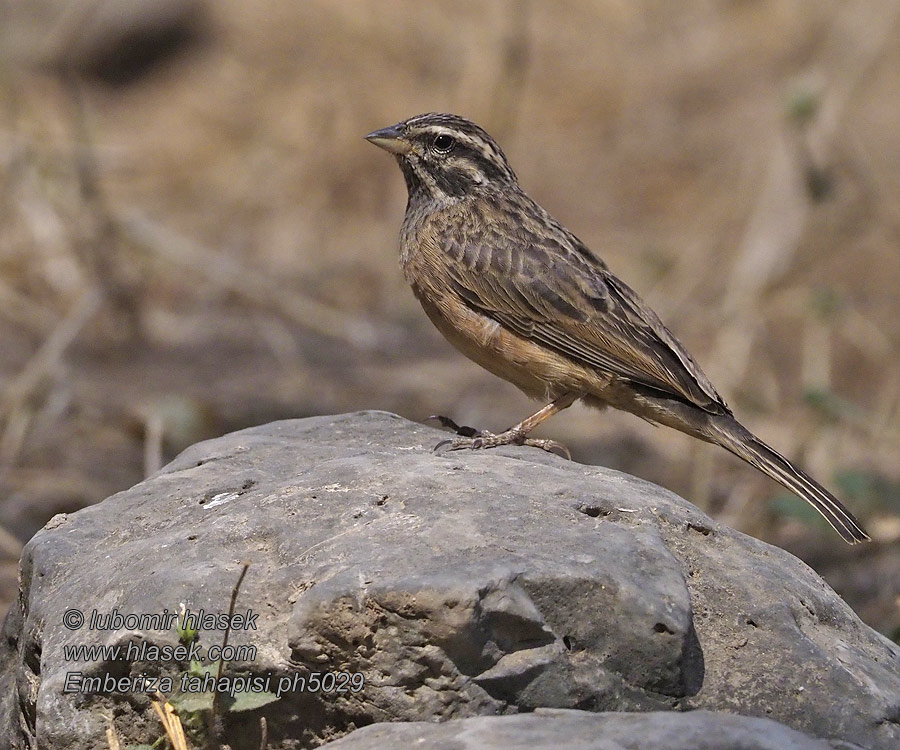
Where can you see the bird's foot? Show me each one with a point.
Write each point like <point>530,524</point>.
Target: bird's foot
<point>472,439</point>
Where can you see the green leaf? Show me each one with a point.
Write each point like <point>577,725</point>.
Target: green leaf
<point>197,668</point>
<point>190,703</point>
<point>186,635</point>
<point>248,700</point>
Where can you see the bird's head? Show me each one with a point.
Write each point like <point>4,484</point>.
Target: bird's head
<point>445,157</point>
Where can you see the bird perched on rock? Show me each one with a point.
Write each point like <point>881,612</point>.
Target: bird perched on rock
<point>522,296</point>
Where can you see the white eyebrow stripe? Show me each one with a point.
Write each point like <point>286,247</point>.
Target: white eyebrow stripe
<point>486,148</point>
<point>478,142</point>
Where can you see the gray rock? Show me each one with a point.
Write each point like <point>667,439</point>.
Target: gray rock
<point>550,729</point>
<point>455,585</point>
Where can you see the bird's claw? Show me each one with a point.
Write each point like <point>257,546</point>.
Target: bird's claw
<point>483,440</point>
<point>474,442</point>
<point>551,446</point>
<point>449,424</point>
<point>442,446</point>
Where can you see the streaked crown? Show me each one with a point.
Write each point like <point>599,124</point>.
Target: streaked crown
<point>445,157</point>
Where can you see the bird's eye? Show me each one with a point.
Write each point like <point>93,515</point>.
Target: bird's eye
<point>443,143</point>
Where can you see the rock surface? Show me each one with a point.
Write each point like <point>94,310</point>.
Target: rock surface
<point>456,585</point>
<point>550,729</point>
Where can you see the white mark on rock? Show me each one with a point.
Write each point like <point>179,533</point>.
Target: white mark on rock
<point>221,499</point>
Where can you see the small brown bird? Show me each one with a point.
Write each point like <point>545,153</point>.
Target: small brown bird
<point>518,293</point>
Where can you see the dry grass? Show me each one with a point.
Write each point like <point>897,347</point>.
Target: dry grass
<point>216,244</point>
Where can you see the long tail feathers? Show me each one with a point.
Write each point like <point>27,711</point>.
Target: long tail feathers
<point>755,452</point>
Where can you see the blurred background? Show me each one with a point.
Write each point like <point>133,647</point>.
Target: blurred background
<point>195,238</point>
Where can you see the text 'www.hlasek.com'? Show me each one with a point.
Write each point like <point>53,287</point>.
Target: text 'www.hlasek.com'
<point>187,666</point>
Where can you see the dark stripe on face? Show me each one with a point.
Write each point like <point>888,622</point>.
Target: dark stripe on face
<point>474,162</point>
<point>453,182</point>
<point>414,185</point>
<point>492,171</point>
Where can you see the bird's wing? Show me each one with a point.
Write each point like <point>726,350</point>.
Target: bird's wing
<point>552,290</point>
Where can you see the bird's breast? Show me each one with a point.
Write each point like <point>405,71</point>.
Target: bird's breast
<point>535,370</point>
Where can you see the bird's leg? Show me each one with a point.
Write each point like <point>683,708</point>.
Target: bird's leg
<point>516,435</point>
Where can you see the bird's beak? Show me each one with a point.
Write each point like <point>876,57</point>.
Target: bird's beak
<point>390,139</point>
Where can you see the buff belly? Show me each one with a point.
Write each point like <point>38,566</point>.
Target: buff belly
<point>540,373</point>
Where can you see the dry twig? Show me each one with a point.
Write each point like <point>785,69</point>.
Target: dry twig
<point>255,287</point>
<point>171,723</point>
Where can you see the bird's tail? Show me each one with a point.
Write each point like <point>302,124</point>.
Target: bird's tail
<point>745,445</point>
